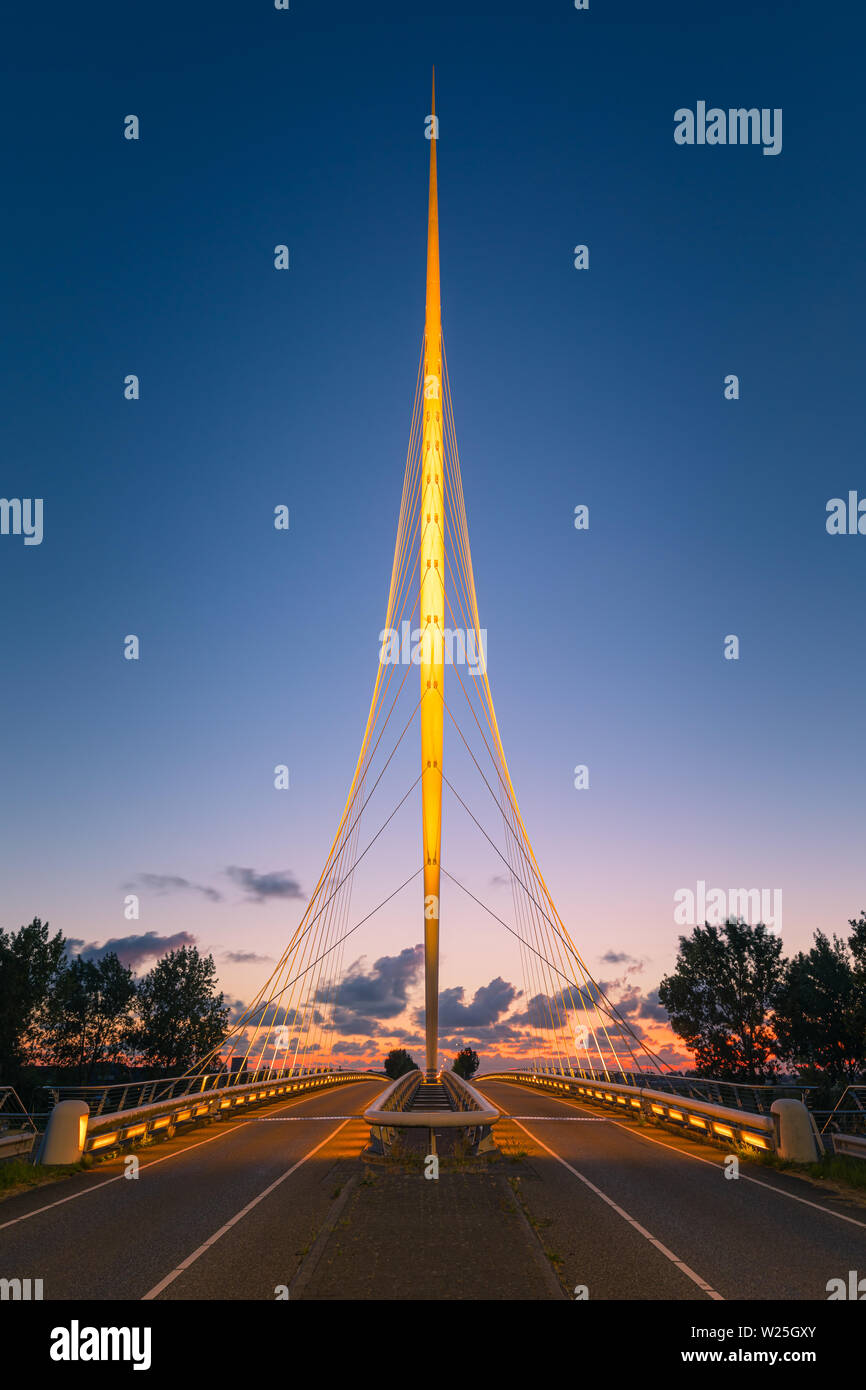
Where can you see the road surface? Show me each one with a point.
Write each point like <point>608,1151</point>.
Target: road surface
<point>637,1213</point>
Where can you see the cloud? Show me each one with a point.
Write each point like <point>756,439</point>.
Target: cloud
<point>260,887</point>
<point>499,881</point>
<point>245,957</point>
<point>651,1008</point>
<point>544,1006</point>
<point>632,964</point>
<point>364,997</point>
<point>131,950</point>
<point>488,1004</point>
<point>173,883</point>
<point>484,1036</point>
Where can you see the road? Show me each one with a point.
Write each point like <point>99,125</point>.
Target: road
<point>229,1210</point>
<point>640,1214</point>
<point>225,1211</point>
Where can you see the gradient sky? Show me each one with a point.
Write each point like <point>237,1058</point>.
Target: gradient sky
<point>605,387</point>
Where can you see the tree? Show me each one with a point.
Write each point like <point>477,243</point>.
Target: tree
<point>466,1063</point>
<point>181,1017</point>
<point>398,1063</point>
<point>815,1011</point>
<point>89,1015</point>
<point>30,963</point>
<point>720,995</point>
<point>857,946</point>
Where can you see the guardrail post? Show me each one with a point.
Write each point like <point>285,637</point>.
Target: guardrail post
<point>794,1131</point>
<point>66,1132</point>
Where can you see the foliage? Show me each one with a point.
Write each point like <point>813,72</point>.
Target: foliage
<point>398,1063</point>
<point>181,1017</point>
<point>30,964</point>
<point>816,1011</point>
<point>466,1063</point>
<point>88,1018</point>
<point>720,996</point>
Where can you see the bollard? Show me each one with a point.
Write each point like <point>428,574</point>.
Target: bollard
<point>66,1132</point>
<point>794,1132</point>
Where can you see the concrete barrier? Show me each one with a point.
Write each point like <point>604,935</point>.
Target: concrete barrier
<point>66,1133</point>
<point>797,1139</point>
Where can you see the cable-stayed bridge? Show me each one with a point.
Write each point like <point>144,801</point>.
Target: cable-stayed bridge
<point>631,1182</point>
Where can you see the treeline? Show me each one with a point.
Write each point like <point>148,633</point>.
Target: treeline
<point>749,1013</point>
<point>83,1016</point>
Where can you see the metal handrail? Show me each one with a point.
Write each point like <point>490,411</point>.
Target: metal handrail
<point>857,1094</point>
<point>718,1121</point>
<point>754,1097</point>
<point>108,1129</point>
<point>124,1095</point>
<point>474,1110</point>
<point>13,1116</point>
<point>400,1091</point>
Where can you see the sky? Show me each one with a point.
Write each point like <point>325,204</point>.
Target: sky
<point>602,387</point>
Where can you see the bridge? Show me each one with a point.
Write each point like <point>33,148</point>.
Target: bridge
<point>597,1172</point>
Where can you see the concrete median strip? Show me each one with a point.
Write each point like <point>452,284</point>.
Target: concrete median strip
<point>620,1211</point>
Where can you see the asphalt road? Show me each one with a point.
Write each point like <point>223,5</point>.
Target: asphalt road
<point>640,1214</point>
<point>228,1211</point>
<point>185,1227</point>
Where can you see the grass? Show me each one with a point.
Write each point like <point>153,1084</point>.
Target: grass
<point>17,1174</point>
<point>539,1226</point>
<point>835,1167</point>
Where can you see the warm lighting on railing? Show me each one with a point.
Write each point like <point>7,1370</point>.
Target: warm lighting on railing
<point>755,1140</point>
<point>103,1141</point>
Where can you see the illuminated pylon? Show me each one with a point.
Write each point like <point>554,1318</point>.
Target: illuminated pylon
<point>569,1013</point>
<point>432,614</point>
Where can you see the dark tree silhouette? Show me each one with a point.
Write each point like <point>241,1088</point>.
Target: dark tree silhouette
<point>181,1015</point>
<point>89,1017</point>
<point>466,1063</point>
<point>30,964</point>
<point>720,996</point>
<point>398,1063</point>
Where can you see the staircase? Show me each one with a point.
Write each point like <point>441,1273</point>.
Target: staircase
<point>431,1096</point>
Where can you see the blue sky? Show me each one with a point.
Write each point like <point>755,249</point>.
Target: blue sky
<point>603,387</point>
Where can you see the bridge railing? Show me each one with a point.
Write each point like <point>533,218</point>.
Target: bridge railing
<point>849,1113</point>
<point>702,1118</point>
<point>399,1094</point>
<point>109,1129</point>
<point>739,1095</point>
<point>17,1130</point>
<point>470,1111</point>
<point>130,1095</point>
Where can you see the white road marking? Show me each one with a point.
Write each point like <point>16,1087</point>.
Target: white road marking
<point>191,1259</point>
<point>85,1192</point>
<point>683,1153</point>
<point>770,1187</point>
<point>620,1211</point>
